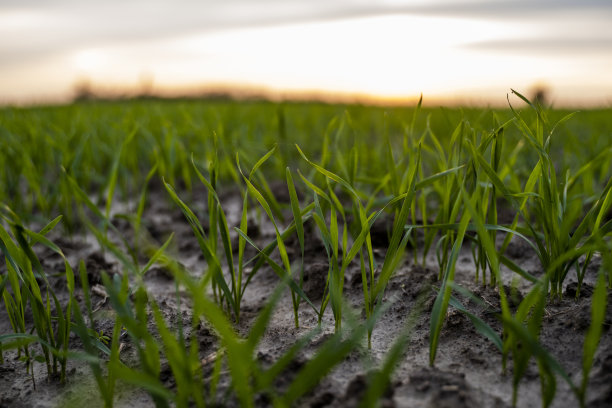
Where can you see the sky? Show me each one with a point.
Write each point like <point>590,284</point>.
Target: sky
<point>462,51</point>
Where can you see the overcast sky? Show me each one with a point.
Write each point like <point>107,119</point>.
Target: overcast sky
<point>471,50</point>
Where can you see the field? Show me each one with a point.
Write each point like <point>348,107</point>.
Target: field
<point>217,253</point>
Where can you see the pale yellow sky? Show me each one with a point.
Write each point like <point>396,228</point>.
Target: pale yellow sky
<point>472,51</point>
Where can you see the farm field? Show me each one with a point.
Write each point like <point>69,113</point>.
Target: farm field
<point>217,253</point>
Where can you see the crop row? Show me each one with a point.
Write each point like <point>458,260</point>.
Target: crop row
<point>447,177</point>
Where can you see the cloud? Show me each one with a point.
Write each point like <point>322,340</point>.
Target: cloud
<point>41,35</point>
<point>507,9</point>
<point>558,45</point>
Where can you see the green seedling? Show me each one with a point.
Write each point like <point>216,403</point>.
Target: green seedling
<point>52,322</point>
<point>453,174</point>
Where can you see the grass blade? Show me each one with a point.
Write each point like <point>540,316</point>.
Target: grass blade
<point>591,341</point>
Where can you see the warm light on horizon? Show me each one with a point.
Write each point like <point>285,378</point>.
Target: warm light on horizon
<point>388,55</point>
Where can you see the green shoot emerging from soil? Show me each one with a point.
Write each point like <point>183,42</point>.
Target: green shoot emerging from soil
<point>247,212</point>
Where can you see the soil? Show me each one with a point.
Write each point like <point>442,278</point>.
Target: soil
<point>467,371</point>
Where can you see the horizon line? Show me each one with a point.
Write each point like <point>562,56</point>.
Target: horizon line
<point>84,90</point>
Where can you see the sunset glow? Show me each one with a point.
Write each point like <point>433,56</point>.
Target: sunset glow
<point>393,55</point>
